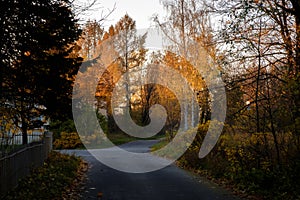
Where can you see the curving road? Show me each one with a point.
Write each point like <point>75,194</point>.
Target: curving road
<point>169,183</point>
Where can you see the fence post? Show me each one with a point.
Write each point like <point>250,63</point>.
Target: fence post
<point>48,142</point>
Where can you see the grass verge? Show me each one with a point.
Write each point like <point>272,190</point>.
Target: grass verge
<point>163,142</point>
<point>59,178</point>
<point>73,141</point>
<point>122,138</point>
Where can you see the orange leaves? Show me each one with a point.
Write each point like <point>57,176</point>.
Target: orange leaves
<point>27,53</point>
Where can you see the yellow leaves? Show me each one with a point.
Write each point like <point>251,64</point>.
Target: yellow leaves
<point>67,141</point>
<point>27,53</point>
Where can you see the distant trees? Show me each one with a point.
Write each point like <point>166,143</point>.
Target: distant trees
<point>130,48</point>
<point>130,53</point>
<point>38,59</point>
<point>187,26</point>
<point>92,34</point>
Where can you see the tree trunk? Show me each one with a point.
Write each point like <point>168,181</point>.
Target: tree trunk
<point>24,132</point>
<point>274,134</point>
<point>295,92</point>
<point>258,80</point>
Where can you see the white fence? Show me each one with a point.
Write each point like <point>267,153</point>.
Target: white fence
<point>17,139</point>
<point>18,165</point>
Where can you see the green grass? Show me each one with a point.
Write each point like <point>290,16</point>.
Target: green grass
<point>73,141</point>
<point>122,138</point>
<point>49,181</point>
<point>163,142</point>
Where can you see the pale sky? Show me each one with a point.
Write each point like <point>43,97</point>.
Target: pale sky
<point>140,10</point>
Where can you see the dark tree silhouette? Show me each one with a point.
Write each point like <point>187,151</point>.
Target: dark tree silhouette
<point>38,59</point>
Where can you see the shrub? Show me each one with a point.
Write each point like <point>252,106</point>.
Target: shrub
<point>48,181</point>
<point>243,161</point>
<point>68,141</point>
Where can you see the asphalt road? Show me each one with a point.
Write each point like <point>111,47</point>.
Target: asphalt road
<point>169,183</point>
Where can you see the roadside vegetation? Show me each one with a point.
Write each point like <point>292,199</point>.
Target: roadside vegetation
<point>59,178</point>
